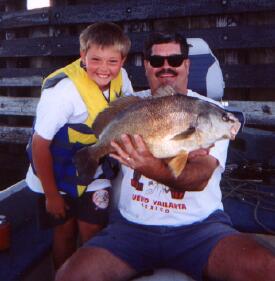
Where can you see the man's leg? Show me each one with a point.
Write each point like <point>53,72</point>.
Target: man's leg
<point>214,249</point>
<point>118,252</point>
<point>240,257</point>
<point>94,264</point>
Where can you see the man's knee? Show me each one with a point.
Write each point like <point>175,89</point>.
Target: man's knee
<point>74,267</point>
<point>231,259</point>
<point>94,264</point>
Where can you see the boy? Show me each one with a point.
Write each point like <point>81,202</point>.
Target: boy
<point>71,99</point>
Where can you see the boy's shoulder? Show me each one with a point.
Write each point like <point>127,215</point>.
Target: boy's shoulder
<point>60,83</point>
<point>64,88</point>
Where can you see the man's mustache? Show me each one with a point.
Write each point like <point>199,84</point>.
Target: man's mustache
<point>166,71</point>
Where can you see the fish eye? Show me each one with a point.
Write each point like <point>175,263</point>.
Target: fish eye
<point>225,117</point>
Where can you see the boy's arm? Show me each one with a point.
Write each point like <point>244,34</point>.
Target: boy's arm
<point>43,163</point>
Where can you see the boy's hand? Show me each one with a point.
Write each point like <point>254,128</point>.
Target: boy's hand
<point>56,206</point>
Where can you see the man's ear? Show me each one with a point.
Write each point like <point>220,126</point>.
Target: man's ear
<point>145,63</point>
<point>187,65</point>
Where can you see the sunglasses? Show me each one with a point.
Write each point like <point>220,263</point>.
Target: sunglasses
<point>173,60</point>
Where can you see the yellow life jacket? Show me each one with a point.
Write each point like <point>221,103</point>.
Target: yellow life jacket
<point>72,137</point>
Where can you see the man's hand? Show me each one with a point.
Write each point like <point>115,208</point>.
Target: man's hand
<point>134,153</point>
<point>198,153</point>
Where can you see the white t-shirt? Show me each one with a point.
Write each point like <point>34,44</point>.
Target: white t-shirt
<point>58,106</point>
<point>154,205</point>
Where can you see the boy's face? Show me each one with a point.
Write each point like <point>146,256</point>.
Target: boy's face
<point>177,77</point>
<point>102,64</point>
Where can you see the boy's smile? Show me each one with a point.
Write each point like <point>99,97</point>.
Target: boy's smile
<point>102,64</point>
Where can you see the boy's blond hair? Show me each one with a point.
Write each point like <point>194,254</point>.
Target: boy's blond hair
<point>104,34</point>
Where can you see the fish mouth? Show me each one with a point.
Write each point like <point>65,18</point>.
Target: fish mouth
<point>234,130</point>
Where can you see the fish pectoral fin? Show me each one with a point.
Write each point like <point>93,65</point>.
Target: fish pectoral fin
<point>177,164</point>
<point>185,134</point>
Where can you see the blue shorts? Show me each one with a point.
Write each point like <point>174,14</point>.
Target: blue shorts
<point>184,248</point>
<point>92,207</point>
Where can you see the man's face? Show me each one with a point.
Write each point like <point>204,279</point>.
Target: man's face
<point>102,64</point>
<point>177,77</point>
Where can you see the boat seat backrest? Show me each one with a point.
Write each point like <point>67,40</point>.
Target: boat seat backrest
<point>205,76</point>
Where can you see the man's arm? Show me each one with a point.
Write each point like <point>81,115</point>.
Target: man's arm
<point>135,154</point>
<point>195,175</point>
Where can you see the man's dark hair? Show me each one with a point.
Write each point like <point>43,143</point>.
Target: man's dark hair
<point>161,38</point>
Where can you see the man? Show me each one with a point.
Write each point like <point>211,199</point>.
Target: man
<point>165,221</point>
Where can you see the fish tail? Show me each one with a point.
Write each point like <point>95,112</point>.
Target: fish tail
<point>86,164</point>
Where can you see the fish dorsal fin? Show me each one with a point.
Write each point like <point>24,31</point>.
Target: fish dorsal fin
<point>178,163</point>
<point>164,91</point>
<point>185,134</point>
<point>108,114</point>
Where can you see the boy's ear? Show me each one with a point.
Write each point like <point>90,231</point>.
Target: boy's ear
<point>82,56</point>
<point>123,60</point>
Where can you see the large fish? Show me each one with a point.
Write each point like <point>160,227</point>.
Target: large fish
<point>171,126</point>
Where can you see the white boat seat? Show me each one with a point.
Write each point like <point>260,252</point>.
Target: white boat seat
<point>205,76</point>
<point>165,274</point>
